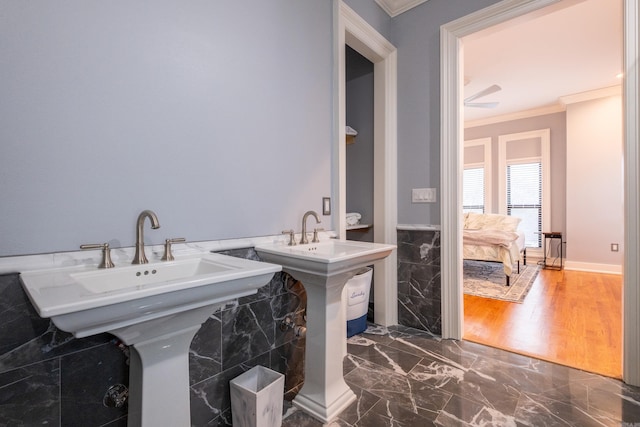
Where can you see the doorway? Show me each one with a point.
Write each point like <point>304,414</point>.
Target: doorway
<point>364,39</point>
<point>451,160</point>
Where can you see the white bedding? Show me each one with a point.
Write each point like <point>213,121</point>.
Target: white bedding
<point>493,237</point>
<point>508,256</point>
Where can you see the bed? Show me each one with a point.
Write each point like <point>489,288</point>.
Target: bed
<point>494,238</point>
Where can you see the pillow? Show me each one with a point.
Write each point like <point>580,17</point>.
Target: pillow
<point>476,221</point>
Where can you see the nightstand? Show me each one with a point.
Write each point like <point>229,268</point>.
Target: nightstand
<point>549,238</point>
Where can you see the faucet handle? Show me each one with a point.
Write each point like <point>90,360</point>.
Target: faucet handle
<point>106,254</point>
<point>315,235</point>
<point>292,238</point>
<point>168,256</point>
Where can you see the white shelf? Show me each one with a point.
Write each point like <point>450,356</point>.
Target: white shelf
<point>359,227</point>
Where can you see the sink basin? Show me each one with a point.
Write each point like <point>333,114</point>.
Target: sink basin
<point>85,300</point>
<point>156,309</point>
<point>324,268</point>
<point>328,257</point>
<point>158,275</point>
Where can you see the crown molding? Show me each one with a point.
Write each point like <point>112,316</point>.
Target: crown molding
<point>396,7</point>
<point>561,106</point>
<point>591,94</point>
<point>550,109</point>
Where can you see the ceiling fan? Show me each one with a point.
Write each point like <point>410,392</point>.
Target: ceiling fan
<point>488,91</point>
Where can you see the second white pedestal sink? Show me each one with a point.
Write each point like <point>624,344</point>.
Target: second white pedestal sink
<point>324,268</point>
<point>156,308</point>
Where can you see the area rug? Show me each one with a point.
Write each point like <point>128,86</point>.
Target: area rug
<point>487,279</point>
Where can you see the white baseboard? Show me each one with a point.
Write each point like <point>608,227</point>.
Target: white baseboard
<point>593,267</point>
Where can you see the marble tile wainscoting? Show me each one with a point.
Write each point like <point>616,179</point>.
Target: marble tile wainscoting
<point>48,377</point>
<point>419,278</point>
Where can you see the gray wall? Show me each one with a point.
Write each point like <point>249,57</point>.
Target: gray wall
<point>417,37</point>
<point>192,110</point>
<point>107,109</point>
<point>558,130</point>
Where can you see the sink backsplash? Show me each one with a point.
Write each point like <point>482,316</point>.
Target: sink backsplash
<point>49,377</point>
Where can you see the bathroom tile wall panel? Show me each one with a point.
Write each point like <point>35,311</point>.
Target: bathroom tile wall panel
<point>205,353</point>
<point>84,379</point>
<point>32,357</point>
<point>289,358</point>
<point>30,395</point>
<point>251,335</point>
<point>419,280</point>
<point>210,399</point>
<point>49,377</point>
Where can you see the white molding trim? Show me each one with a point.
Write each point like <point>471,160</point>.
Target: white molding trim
<point>544,135</point>
<point>488,168</point>
<point>631,292</point>
<point>354,31</point>
<point>591,95</point>
<point>560,107</point>
<point>396,7</point>
<point>451,135</point>
<point>526,114</point>
<point>592,267</point>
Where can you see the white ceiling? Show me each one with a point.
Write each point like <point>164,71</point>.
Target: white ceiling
<point>569,48</point>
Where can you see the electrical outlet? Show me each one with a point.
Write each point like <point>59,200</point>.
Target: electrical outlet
<point>614,247</point>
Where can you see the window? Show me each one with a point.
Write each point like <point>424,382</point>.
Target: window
<point>524,182</point>
<point>524,199</point>
<point>476,178</point>
<point>473,190</point>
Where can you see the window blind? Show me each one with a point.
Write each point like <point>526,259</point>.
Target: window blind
<point>524,199</point>
<point>473,190</point>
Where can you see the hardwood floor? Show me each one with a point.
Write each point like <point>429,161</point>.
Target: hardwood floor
<point>569,317</point>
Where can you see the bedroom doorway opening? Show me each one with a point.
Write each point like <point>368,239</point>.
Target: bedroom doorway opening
<point>452,297</point>
<point>560,329</point>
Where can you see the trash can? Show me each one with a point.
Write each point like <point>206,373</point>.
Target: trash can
<point>256,398</point>
<point>358,288</point>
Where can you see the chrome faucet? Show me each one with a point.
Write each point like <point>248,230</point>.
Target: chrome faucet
<point>303,239</point>
<point>140,257</point>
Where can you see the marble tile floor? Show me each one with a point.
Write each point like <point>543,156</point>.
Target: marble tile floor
<point>405,377</point>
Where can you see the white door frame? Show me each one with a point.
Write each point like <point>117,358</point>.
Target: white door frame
<point>451,163</point>
<point>354,31</point>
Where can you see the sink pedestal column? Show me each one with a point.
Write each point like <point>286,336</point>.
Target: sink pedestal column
<point>159,393</point>
<point>325,393</point>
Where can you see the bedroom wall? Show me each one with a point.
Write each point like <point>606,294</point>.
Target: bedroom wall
<point>557,124</point>
<point>595,198</point>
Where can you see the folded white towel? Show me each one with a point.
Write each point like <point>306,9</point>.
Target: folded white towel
<point>353,218</point>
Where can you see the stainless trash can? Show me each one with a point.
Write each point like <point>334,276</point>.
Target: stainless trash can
<point>256,398</point>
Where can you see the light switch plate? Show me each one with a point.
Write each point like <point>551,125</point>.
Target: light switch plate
<point>326,206</point>
<point>423,195</point>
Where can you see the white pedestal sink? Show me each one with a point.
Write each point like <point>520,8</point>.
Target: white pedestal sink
<point>156,308</point>
<point>324,268</point>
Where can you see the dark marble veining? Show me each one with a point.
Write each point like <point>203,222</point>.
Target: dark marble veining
<point>406,377</point>
<point>402,376</point>
<point>419,280</point>
<point>48,377</point>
